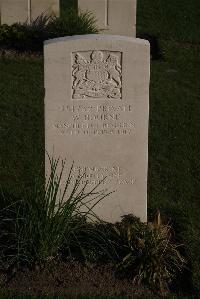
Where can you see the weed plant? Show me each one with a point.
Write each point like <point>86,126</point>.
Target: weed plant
<point>34,229</point>
<point>147,253</point>
<point>29,37</point>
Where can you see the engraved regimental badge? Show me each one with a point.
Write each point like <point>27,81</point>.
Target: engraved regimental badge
<point>96,74</point>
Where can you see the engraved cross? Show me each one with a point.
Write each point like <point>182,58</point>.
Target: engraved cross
<point>107,2</point>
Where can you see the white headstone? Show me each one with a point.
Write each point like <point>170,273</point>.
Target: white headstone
<point>96,114</point>
<point>15,11</point>
<point>115,16</point>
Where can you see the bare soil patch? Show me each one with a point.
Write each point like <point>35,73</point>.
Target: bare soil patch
<point>5,53</point>
<point>72,278</point>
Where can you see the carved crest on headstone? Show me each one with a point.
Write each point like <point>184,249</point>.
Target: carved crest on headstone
<point>96,75</point>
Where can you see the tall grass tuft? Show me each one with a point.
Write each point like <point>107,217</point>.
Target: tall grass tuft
<point>73,23</point>
<point>35,228</point>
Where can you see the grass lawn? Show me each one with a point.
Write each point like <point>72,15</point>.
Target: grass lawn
<point>174,140</point>
<point>21,121</point>
<point>176,20</point>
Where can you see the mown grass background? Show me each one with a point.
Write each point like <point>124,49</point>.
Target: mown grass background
<point>174,133</point>
<point>177,20</point>
<point>21,122</point>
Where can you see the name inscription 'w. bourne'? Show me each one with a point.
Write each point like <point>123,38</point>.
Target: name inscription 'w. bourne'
<point>97,74</point>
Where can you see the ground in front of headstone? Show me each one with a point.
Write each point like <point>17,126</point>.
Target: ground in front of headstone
<point>73,278</point>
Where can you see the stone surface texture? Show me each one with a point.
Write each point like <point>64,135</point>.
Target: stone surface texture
<point>96,114</point>
<point>114,16</point>
<point>14,11</point>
